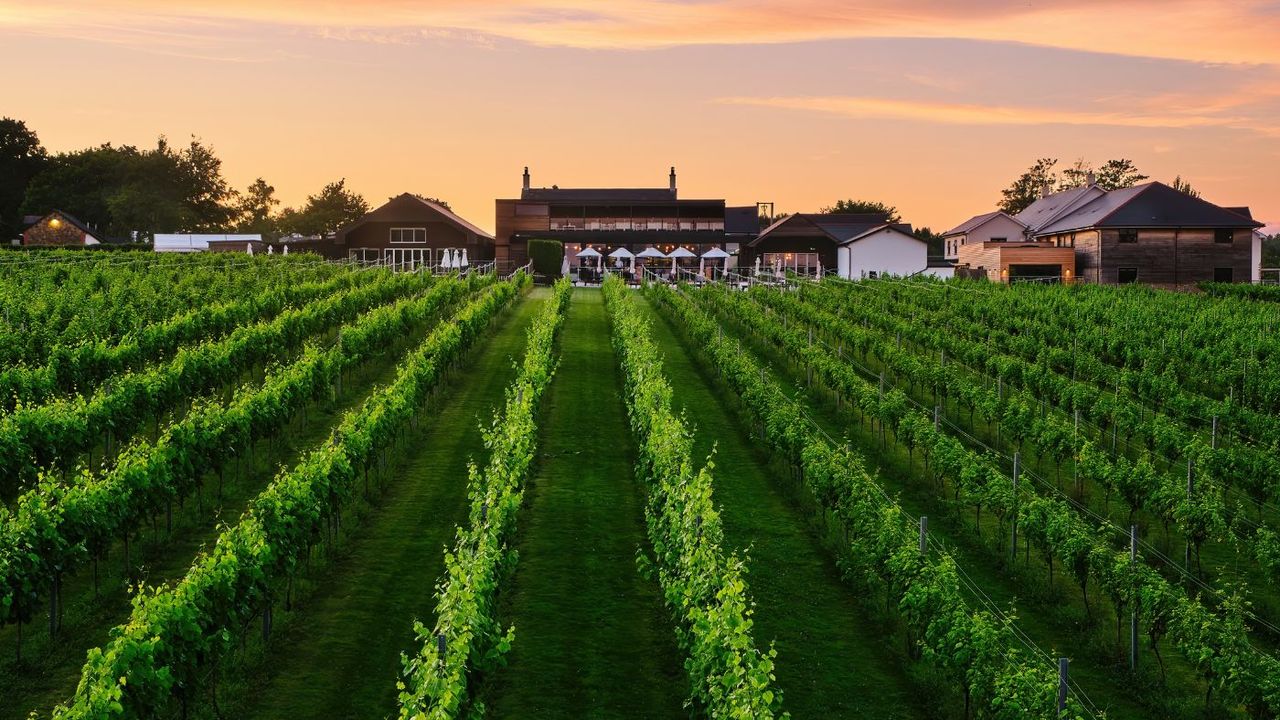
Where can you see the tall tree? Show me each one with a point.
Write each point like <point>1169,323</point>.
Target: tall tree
<point>1078,175</point>
<point>125,190</point>
<point>1029,186</point>
<point>326,212</point>
<point>863,207</point>
<point>22,157</point>
<point>1117,174</point>
<point>435,200</point>
<point>932,240</point>
<point>255,209</point>
<point>1183,186</point>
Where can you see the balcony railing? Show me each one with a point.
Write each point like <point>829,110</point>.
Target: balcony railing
<point>637,224</point>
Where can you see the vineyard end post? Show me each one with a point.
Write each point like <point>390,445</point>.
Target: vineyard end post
<point>924,532</point>
<point>1063,665</point>
<point>1013,545</point>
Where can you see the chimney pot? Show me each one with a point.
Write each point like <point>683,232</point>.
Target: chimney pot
<point>526,177</point>
<point>673,178</point>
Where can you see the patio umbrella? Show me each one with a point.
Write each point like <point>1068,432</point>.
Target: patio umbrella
<point>702,266</point>
<point>599,263</point>
<point>447,263</point>
<point>248,247</point>
<point>717,253</point>
<point>464,258</point>
<point>632,269</point>
<point>757,264</point>
<point>286,249</point>
<point>679,253</point>
<point>564,265</point>
<point>620,253</point>
<point>588,252</point>
<point>271,249</point>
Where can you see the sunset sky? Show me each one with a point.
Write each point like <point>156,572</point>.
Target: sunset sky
<point>930,105</point>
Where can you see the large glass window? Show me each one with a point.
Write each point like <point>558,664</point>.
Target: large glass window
<point>1129,236</point>
<point>802,263</point>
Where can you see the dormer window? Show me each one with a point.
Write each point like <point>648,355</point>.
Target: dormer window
<point>1223,236</point>
<point>1129,235</point>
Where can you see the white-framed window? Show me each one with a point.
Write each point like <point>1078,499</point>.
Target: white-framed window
<point>408,236</point>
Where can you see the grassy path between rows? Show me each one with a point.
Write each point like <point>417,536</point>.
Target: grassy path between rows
<point>833,660</point>
<point>337,654</point>
<point>51,670</point>
<point>593,639</point>
<point>1056,624</point>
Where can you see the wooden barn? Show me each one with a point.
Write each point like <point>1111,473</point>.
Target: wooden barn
<point>410,232</point>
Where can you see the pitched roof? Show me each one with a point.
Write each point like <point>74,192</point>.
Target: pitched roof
<point>594,195</point>
<point>976,222</point>
<point>1049,208</point>
<point>900,228</point>
<point>1151,204</point>
<point>74,222</point>
<point>409,200</point>
<point>839,227</point>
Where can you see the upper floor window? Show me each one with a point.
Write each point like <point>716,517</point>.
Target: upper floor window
<point>1223,235</point>
<point>408,235</point>
<point>1129,235</point>
<point>999,239</point>
<point>532,209</point>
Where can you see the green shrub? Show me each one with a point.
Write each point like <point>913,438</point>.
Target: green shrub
<point>546,255</point>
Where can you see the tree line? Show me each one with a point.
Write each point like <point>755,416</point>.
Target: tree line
<point>127,192</point>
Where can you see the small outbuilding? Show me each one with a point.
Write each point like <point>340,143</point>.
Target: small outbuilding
<point>60,229</point>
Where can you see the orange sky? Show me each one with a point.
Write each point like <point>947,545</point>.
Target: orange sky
<point>930,105</point>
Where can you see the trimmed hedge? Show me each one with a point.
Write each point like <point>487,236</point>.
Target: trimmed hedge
<point>547,256</point>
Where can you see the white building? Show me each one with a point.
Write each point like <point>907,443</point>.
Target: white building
<point>995,226</point>
<point>185,243</point>
<point>855,245</point>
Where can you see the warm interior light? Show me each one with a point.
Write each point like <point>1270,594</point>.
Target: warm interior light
<point>55,223</point>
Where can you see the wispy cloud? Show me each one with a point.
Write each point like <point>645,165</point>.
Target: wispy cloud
<point>1148,115</point>
<point>1200,30</point>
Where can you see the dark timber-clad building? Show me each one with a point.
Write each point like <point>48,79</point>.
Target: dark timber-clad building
<point>411,232</point>
<point>610,218</point>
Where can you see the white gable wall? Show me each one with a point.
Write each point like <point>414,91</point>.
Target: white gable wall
<point>884,252</point>
<point>999,226</point>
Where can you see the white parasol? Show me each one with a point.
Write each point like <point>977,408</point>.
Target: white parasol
<point>248,247</point>
<point>465,262</point>
<point>286,249</point>
<point>564,265</point>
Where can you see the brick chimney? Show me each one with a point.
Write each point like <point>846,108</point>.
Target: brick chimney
<point>526,177</point>
<point>673,179</point>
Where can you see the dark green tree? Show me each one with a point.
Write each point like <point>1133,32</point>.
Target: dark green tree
<point>1117,174</point>
<point>255,210</point>
<point>932,239</point>
<point>863,207</point>
<point>1184,187</point>
<point>22,157</point>
<point>126,190</point>
<point>326,212</point>
<point>435,200</point>
<point>1030,186</point>
<point>1077,175</point>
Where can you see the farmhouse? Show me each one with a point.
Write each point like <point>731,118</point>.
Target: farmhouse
<point>856,245</point>
<point>1148,233</point>
<point>610,218</point>
<point>410,232</point>
<point>60,229</point>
